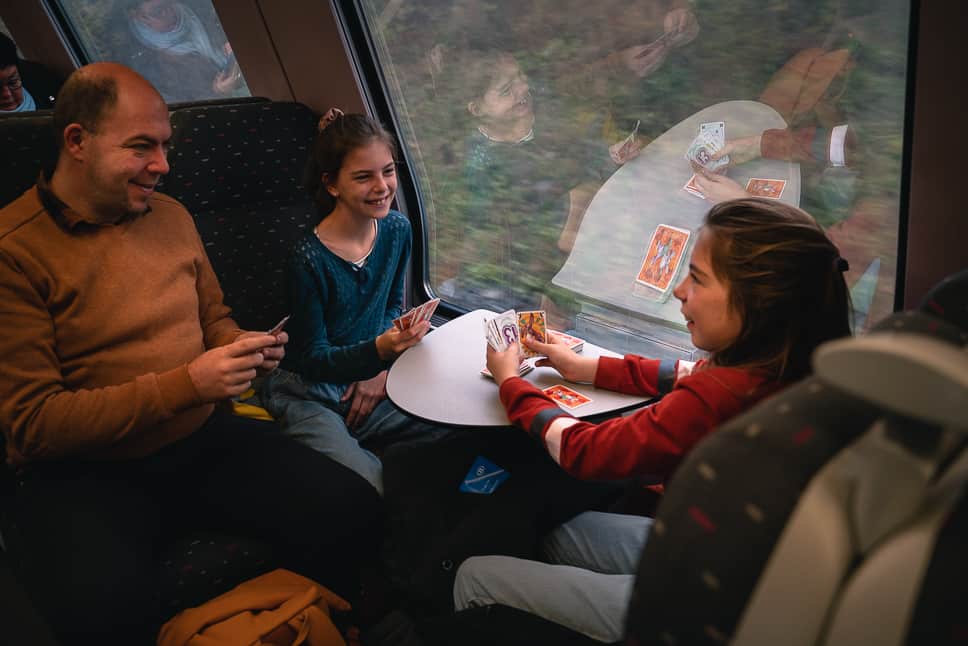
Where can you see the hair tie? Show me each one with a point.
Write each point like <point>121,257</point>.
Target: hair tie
<point>840,264</point>
<point>328,118</point>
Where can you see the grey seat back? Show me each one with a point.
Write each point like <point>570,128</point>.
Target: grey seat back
<point>782,527</point>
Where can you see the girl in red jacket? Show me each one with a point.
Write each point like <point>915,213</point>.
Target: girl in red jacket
<point>765,288</point>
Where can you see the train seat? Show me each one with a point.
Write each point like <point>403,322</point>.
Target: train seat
<point>238,170</point>
<point>833,513</point>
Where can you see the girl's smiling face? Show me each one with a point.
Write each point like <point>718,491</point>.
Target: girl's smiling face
<point>711,319</point>
<point>367,181</point>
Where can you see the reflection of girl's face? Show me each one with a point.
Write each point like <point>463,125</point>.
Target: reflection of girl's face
<point>157,15</point>
<point>508,97</point>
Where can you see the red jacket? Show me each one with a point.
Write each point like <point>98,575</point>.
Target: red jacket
<point>652,441</point>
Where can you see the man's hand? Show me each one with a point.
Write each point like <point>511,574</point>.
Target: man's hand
<point>718,188</point>
<point>572,367</point>
<point>503,364</point>
<point>365,395</point>
<point>272,354</point>
<point>393,342</point>
<point>228,370</point>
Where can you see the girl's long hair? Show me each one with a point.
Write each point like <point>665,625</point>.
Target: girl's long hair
<point>786,281</point>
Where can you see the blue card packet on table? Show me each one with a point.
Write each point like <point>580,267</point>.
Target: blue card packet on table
<point>484,477</point>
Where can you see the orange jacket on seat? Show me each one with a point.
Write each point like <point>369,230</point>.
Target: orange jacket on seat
<point>278,608</point>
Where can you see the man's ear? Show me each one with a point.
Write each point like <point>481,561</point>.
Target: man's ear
<point>75,140</point>
<point>473,108</point>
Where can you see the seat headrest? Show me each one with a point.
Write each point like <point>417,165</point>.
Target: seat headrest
<point>949,299</point>
<point>915,371</point>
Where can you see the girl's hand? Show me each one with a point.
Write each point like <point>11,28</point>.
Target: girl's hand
<point>365,395</point>
<point>572,367</point>
<point>740,150</point>
<point>393,342</point>
<point>503,365</point>
<point>718,188</point>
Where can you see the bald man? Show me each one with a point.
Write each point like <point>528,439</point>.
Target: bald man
<point>116,349</point>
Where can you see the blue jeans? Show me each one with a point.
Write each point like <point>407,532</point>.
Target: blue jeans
<point>312,414</point>
<point>585,585</point>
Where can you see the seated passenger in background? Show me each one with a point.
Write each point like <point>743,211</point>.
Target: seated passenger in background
<point>765,288</point>
<point>345,282</point>
<point>529,173</point>
<point>176,51</point>
<point>117,348</point>
<point>24,85</point>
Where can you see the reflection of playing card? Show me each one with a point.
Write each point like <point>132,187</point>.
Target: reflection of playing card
<point>666,249</point>
<point>714,132</point>
<point>566,397</point>
<point>711,138</point>
<point>772,188</point>
<point>532,323</point>
<point>693,188</point>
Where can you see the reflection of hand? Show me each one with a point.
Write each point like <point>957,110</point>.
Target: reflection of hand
<point>642,60</point>
<point>740,150</point>
<point>393,342</point>
<point>365,395</point>
<point>503,364</point>
<point>626,150</point>
<point>559,356</point>
<point>681,26</point>
<point>718,188</point>
<point>227,79</point>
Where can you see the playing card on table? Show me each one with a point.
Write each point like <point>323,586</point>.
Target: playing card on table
<point>532,323</point>
<point>771,188</point>
<point>566,397</point>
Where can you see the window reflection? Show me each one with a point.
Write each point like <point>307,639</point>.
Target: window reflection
<point>551,136</point>
<point>178,45</point>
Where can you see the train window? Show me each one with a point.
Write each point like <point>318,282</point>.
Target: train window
<point>550,142</point>
<point>178,45</point>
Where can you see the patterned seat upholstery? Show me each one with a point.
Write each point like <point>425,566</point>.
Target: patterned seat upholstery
<point>832,513</point>
<point>238,170</point>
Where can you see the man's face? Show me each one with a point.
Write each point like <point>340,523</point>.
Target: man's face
<point>11,88</point>
<point>127,157</point>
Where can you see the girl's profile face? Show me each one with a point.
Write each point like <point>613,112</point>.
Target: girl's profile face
<point>367,181</point>
<point>712,322</point>
<point>507,98</point>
